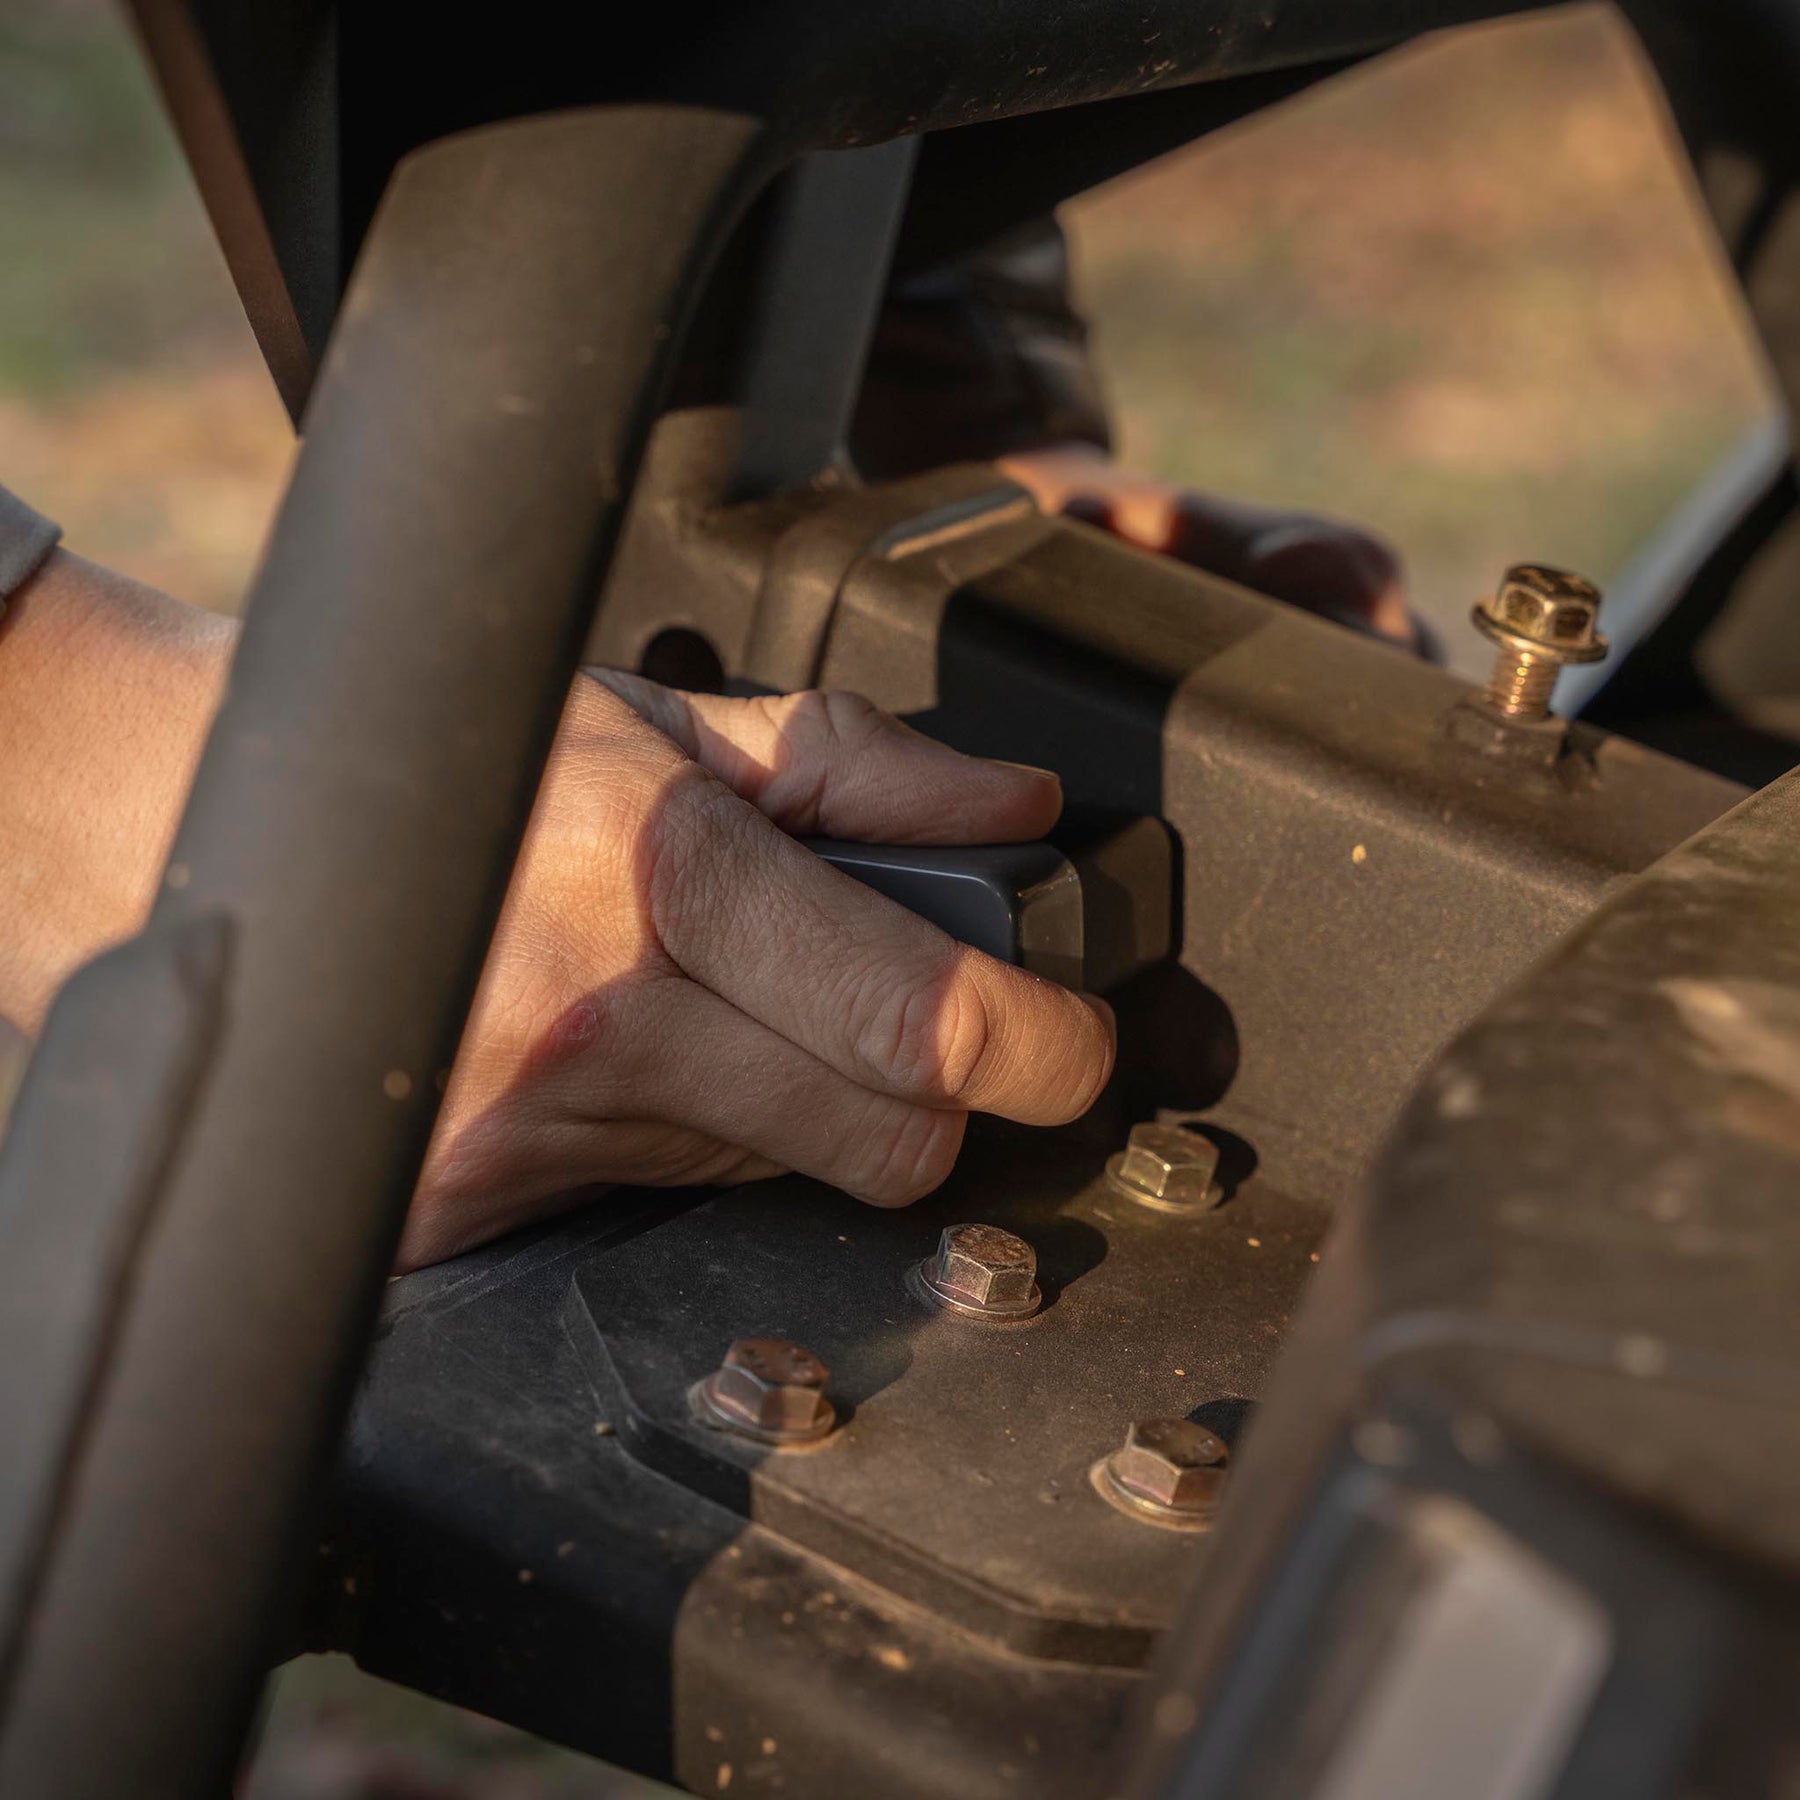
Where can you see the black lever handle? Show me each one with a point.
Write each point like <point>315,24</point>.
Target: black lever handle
<point>1087,910</point>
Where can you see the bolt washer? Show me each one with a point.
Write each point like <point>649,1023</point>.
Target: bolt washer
<point>1146,1510</point>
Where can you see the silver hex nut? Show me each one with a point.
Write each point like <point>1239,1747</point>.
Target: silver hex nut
<point>981,1269</point>
<point>769,1390</point>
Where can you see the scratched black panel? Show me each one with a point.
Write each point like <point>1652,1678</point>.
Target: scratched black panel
<point>531,1523</point>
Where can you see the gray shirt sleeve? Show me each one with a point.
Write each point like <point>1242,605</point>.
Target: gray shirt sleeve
<point>26,539</point>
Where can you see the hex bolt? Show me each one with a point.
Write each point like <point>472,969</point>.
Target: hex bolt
<point>1168,1472</point>
<point>983,1272</point>
<point>767,1390</point>
<point>1541,619</point>
<point>1167,1166</point>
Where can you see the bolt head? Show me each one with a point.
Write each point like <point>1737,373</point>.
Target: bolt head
<point>771,1389</point>
<point>1171,1463</point>
<point>984,1268</point>
<point>1170,1164</point>
<point>1548,607</point>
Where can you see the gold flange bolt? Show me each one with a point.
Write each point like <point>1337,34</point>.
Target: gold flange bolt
<point>1169,1472</point>
<point>1540,619</point>
<point>1167,1167</point>
<point>768,1390</point>
<point>981,1272</point>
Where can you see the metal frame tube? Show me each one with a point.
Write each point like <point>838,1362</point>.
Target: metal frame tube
<point>355,818</point>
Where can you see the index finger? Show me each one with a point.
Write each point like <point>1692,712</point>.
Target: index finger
<point>867,987</point>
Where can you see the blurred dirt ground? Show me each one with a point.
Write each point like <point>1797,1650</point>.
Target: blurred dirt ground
<point>1462,294</point>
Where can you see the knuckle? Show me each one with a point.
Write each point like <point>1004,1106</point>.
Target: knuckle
<point>830,717</point>
<point>687,850</point>
<point>824,744</point>
<point>910,1152</point>
<point>852,718</point>
<point>928,1037</point>
<point>1375,561</point>
<point>1386,568</point>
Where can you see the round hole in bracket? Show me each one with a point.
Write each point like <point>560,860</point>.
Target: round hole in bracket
<point>680,657</point>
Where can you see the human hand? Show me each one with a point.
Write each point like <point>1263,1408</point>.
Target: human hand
<point>679,993</point>
<point>1322,565</point>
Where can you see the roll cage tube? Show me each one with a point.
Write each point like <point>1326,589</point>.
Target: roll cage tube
<point>414,628</point>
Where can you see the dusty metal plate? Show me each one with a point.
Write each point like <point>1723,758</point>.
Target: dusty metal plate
<point>958,1476</point>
